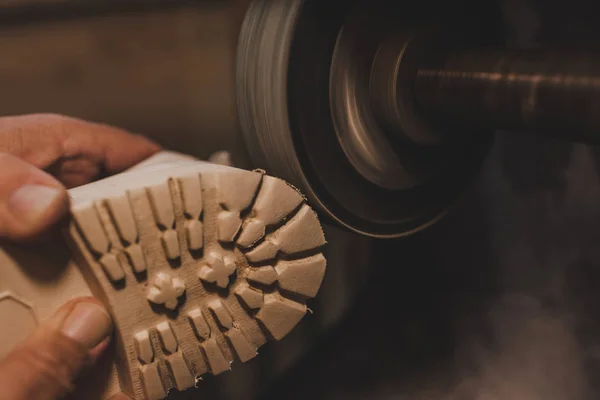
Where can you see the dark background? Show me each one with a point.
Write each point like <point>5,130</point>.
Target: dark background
<point>498,301</point>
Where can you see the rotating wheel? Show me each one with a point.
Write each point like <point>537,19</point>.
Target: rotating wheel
<point>303,84</point>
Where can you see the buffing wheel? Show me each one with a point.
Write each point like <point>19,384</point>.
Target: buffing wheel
<point>303,103</point>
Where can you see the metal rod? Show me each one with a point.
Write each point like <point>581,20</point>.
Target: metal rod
<point>556,93</point>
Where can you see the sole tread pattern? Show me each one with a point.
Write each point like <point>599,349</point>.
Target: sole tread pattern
<point>182,264</point>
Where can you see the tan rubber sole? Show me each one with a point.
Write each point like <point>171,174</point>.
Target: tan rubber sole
<point>199,265</point>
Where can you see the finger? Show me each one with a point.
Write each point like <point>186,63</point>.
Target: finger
<point>76,150</point>
<point>45,366</point>
<point>98,351</point>
<point>31,200</point>
<point>120,397</point>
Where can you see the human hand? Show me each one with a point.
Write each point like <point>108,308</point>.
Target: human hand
<point>73,152</point>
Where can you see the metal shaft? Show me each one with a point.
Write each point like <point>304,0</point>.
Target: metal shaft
<point>555,93</point>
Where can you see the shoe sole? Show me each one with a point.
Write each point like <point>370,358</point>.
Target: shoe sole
<point>199,265</point>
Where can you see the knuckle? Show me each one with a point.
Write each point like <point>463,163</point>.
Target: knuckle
<point>21,215</point>
<point>7,158</point>
<point>14,171</point>
<point>56,361</point>
<point>51,117</point>
<point>48,123</point>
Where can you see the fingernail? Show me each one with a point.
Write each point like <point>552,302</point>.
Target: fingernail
<point>88,324</point>
<point>29,202</point>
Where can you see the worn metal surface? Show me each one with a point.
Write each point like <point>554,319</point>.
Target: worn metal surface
<point>550,92</point>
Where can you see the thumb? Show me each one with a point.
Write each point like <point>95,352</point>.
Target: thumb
<point>31,201</point>
<point>46,364</point>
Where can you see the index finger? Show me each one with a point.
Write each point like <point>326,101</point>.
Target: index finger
<point>45,139</point>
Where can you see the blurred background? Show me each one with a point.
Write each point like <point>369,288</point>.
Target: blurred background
<point>161,68</point>
<point>498,301</point>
